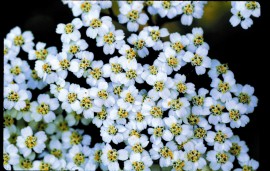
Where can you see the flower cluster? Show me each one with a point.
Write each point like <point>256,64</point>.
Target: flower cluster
<point>172,123</point>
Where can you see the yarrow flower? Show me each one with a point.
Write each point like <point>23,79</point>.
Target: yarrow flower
<point>146,112</point>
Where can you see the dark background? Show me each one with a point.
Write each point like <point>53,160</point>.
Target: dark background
<point>246,52</point>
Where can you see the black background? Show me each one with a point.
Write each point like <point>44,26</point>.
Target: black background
<point>246,52</point>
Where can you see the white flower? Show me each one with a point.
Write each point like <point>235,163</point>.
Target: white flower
<point>240,17</point>
<point>28,141</point>
<point>140,43</point>
<point>34,81</point>
<point>65,64</point>
<point>138,119</point>
<point>189,9</point>
<point>56,149</point>
<point>70,32</point>
<point>155,35</point>
<point>220,160</point>
<point>14,97</point>
<point>111,156</point>
<point>199,59</point>
<point>112,132</point>
<point>74,47</point>
<point>101,96</point>
<point>177,43</point>
<point>25,163</point>
<point>105,4</point>
<point>235,115</point>
<point>150,70</point>
<point>153,113</point>
<point>110,40</point>
<point>84,60</point>
<point>138,162</point>
<point>220,138</point>
<point>181,86</point>
<point>41,52</point>
<point>96,25</point>
<point>10,51</point>
<point>132,74</point>
<point>44,107</point>
<point>178,161</point>
<point>58,86</point>
<point>245,96</point>
<point>100,117</point>
<point>19,39</point>
<point>113,69</point>
<point>87,104</point>
<point>17,70</point>
<point>157,133</point>
<point>45,69</point>
<point>249,165</point>
<point>85,8</point>
<point>48,128</point>
<point>194,151</point>
<point>95,73</point>
<point>69,98</point>
<point>48,162</point>
<point>73,118</point>
<point>10,156</point>
<point>217,69</point>
<point>196,40</point>
<point>179,107</point>
<point>239,149</point>
<point>167,8</point>
<point>222,88</point>
<point>170,61</point>
<point>78,155</point>
<point>217,110</point>
<point>95,157</point>
<point>163,153</point>
<point>131,14</point>
<point>137,145</point>
<point>252,7</point>
<point>74,137</point>
<point>181,132</point>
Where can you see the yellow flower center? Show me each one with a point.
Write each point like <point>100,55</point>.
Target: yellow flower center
<point>200,133</point>
<point>223,87</point>
<point>178,165</point>
<point>45,166</point>
<point>72,97</point>
<point>74,49</point>
<point>41,54</point>
<point>176,129</point>
<point>222,69</point>
<point>117,90</point>
<point>156,112</point>
<point>63,126</point>
<point>86,6</point>
<point>13,96</point>
<point>251,5</point>
<point>158,131</point>
<point>26,164</point>
<point>85,63</point>
<point>198,40</point>
<point>65,64</point>
<point>95,23</point>
<point>137,148</point>
<point>181,87</point>
<point>130,74</point>
<point>97,156</point>
<point>130,54</point>
<point>216,110</point>
<point>96,73</point>
<point>47,68</point>
<point>197,60</point>
<point>155,34</point>
<point>166,4</point>
<point>35,76</point>
<point>139,117</point>
<point>8,121</point>
<point>103,94</point>
<point>112,130</point>
<point>139,44</point>
<point>6,158</point>
<point>234,114</point>
<point>220,137</point>
<point>116,68</point>
<point>18,40</point>
<point>177,46</point>
<point>122,113</point>
<point>247,168</point>
<point>57,153</point>
<point>235,149</point>
<point>188,9</point>
<point>176,104</point>
<point>222,158</point>
<point>244,98</point>
<point>31,142</point>
<point>193,155</point>
<point>69,28</point>
<point>134,132</point>
<point>109,38</point>
<point>138,166</point>
<point>166,152</point>
<point>112,155</point>
<point>75,138</point>
<point>172,61</point>
<point>102,115</point>
<point>193,119</point>
<point>16,70</point>
<point>198,100</point>
<point>86,103</point>
<point>133,15</point>
<point>153,70</point>
<point>159,86</point>
<point>43,109</point>
<point>79,159</point>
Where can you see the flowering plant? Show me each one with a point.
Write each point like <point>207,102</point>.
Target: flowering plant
<point>170,121</point>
